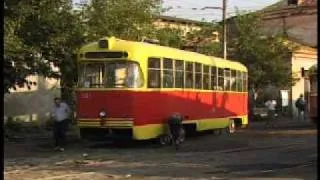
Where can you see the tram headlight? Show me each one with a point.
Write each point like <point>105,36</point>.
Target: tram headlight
<point>102,114</point>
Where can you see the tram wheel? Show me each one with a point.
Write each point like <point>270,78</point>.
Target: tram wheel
<point>232,127</point>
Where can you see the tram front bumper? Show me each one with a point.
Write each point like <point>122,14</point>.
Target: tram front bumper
<point>117,123</point>
<point>106,128</point>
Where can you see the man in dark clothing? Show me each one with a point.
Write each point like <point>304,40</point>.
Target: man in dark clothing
<point>301,106</point>
<point>175,126</point>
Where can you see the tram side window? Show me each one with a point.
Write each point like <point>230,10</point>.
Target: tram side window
<point>245,82</point>
<point>179,74</point>
<point>189,75</point>
<point>220,79</point>
<point>154,73</point>
<point>227,76</point>
<point>167,73</point>
<point>198,76</point>
<point>214,78</point>
<point>239,81</point>
<point>233,80</point>
<point>206,77</point>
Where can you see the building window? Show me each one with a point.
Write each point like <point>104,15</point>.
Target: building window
<point>189,75</point>
<point>167,73</point>
<point>179,74</point>
<point>154,73</point>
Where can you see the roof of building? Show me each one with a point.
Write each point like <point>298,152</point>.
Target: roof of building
<point>284,4</point>
<point>282,8</point>
<point>180,20</point>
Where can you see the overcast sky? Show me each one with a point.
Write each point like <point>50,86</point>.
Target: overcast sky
<point>191,9</point>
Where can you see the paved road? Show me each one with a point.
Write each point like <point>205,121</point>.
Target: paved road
<point>284,152</point>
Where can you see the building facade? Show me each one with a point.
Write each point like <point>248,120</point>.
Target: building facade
<point>185,25</point>
<point>298,20</point>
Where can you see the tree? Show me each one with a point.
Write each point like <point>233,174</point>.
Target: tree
<point>266,56</point>
<point>39,34</point>
<point>203,39</point>
<point>124,19</point>
<point>171,37</point>
<point>313,70</point>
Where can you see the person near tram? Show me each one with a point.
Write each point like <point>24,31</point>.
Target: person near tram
<point>176,129</point>
<point>301,106</point>
<point>60,115</point>
<point>271,106</point>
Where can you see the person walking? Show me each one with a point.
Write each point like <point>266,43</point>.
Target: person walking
<point>176,129</point>
<point>301,106</point>
<point>271,106</point>
<point>60,114</point>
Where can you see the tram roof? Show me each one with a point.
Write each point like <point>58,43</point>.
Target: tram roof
<point>154,50</point>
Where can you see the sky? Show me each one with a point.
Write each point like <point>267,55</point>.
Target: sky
<point>191,9</point>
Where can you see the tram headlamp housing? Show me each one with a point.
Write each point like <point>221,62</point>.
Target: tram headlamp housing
<point>103,43</point>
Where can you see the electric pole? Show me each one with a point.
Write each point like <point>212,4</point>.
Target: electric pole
<point>224,9</point>
<point>224,21</point>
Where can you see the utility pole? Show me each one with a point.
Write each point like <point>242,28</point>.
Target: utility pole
<point>224,9</point>
<point>224,21</point>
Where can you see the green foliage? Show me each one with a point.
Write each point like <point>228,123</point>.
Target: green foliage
<point>313,70</point>
<point>121,18</point>
<point>266,56</point>
<point>211,49</point>
<point>204,38</point>
<point>39,34</point>
<point>170,37</point>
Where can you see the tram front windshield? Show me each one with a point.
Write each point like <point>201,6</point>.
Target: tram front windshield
<point>111,74</point>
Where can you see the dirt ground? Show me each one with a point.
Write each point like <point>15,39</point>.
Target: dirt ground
<point>289,153</point>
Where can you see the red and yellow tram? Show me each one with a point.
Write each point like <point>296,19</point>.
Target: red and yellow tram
<point>132,88</point>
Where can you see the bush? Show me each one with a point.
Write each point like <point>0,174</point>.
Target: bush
<point>13,125</point>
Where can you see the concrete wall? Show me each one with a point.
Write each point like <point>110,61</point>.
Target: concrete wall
<point>34,104</point>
